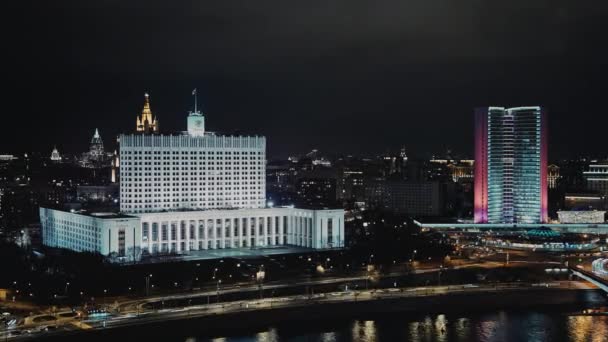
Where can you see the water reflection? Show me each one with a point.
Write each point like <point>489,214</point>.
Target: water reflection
<point>268,336</point>
<point>462,329</point>
<point>364,331</point>
<point>498,326</point>
<point>329,337</point>
<point>588,328</point>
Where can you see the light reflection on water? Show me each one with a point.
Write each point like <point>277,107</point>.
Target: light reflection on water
<point>364,331</point>
<point>498,326</point>
<point>588,328</point>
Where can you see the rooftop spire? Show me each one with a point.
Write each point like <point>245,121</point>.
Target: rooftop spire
<point>146,123</point>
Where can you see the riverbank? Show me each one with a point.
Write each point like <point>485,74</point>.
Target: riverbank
<point>209,325</point>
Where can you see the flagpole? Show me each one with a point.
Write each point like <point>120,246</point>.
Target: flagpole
<point>195,101</point>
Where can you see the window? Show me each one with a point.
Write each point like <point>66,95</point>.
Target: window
<point>164,235</point>
<point>121,242</point>
<point>144,230</point>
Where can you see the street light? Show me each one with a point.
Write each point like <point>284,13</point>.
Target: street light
<point>259,276</point>
<point>219,281</point>
<point>148,284</point>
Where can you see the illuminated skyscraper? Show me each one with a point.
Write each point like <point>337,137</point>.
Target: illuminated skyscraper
<point>510,165</point>
<point>96,150</point>
<point>146,123</point>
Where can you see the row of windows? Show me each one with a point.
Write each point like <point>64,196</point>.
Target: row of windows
<point>210,184</point>
<point>185,192</point>
<point>140,208</point>
<point>195,200</point>
<point>126,152</point>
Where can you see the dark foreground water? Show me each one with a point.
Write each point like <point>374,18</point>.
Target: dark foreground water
<point>556,323</point>
<point>494,326</point>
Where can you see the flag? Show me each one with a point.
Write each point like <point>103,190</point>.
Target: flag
<point>194,91</point>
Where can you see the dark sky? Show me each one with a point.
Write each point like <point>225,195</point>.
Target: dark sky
<point>341,76</point>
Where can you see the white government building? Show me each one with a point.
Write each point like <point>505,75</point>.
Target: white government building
<point>191,192</point>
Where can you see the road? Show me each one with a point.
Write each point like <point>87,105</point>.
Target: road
<point>137,305</point>
<point>137,311</point>
<point>151,316</point>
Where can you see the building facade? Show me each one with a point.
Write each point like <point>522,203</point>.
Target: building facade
<point>584,201</point>
<point>171,172</point>
<point>103,233</point>
<point>581,216</point>
<point>181,232</point>
<point>409,198</point>
<point>597,178</point>
<point>510,165</point>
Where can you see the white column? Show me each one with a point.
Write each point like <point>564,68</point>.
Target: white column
<point>196,235</point>
<point>273,232</point>
<point>205,236</point>
<point>222,233</point>
<point>177,235</point>
<point>265,229</point>
<point>186,238</point>
<point>239,234</point>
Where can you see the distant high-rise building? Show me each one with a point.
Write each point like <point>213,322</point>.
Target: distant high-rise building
<point>553,176</point>
<point>317,192</point>
<point>96,150</point>
<point>405,197</point>
<point>55,156</point>
<point>96,157</point>
<point>597,178</point>
<point>510,165</point>
<point>146,123</point>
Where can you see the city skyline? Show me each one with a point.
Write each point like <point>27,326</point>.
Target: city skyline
<point>323,171</point>
<point>76,147</point>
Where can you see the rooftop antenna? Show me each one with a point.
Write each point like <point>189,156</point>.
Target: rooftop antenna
<point>195,100</point>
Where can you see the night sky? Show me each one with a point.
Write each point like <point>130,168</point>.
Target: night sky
<point>340,76</point>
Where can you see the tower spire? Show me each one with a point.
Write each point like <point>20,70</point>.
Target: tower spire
<point>146,123</point>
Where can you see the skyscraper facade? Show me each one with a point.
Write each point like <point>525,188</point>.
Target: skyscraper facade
<point>171,172</point>
<point>510,165</point>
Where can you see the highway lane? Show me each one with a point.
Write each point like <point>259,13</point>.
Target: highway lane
<point>134,309</point>
<point>126,319</point>
<point>136,305</point>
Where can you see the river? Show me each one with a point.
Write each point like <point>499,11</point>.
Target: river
<point>492,326</point>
